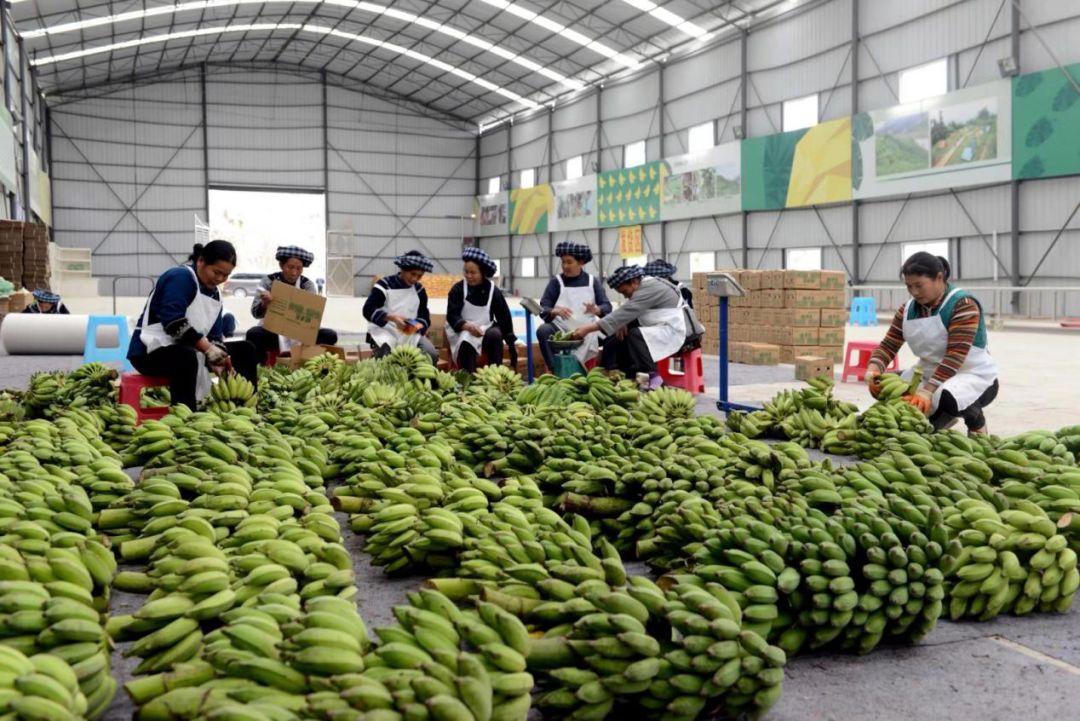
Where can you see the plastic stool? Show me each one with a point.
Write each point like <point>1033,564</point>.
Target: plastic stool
<point>863,311</point>
<point>692,376</point>
<point>481,361</point>
<point>93,353</point>
<point>271,358</point>
<point>131,385</point>
<point>863,351</point>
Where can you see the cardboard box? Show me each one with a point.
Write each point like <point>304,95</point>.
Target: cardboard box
<point>750,279</point>
<point>804,336</point>
<point>19,300</point>
<point>800,298</point>
<point>833,317</point>
<point>800,317</point>
<point>832,353</point>
<point>830,336</point>
<point>765,354</point>
<point>830,298</point>
<point>804,279</point>
<point>833,279</point>
<point>788,353</point>
<point>294,313</point>
<point>298,355</point>
<point>808,367</point>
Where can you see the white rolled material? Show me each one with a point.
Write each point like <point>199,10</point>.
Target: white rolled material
<point>38,334</point>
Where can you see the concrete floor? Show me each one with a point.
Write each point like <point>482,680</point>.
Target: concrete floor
<point>1010,669</point>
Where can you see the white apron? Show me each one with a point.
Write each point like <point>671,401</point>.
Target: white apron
<point>285,344</point>
<point>201,314</point>
<point>478,314</point>
<point>400,301</point>
<point>664,329</point>
<point>928,339</point>
<point>576,299</point>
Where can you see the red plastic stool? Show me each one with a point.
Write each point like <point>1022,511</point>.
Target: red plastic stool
<point>690,378</point>
<point>271,358</point>
<point>591,363</point>
<point>863,349</point>
<point>481,361</point>
<point>131,385</point>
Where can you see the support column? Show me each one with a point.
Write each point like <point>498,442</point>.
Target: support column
<point>1014,186</point>
<point>600,169</point>
<point>663,112</point>
<point>509,189</point>
<point>745,80</point>
<point>326,152</point>
<point>551,177</point>
<point>205,143</point>
<point>25,131</point>
<point>856,261</point>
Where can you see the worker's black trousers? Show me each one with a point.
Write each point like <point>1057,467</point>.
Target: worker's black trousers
<point>180,363</point>
<point>265,341</point>
<point>491,345</point>
<point>972,415</point>
<point>630,355</point>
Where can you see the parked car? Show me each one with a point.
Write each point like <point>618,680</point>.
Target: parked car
<point>241,285</point>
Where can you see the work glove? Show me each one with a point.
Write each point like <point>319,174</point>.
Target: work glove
<point>216,355</point>
<point>921,400</point>
<point>873,382</point>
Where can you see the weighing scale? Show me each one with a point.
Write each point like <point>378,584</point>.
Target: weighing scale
<point>724,286</point>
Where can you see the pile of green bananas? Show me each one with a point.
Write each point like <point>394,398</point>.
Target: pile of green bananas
<point>498,379</point>
<point>806,416</point>
<point>231,391</point>
<point>44,391</point>
<point>42,686</point>
<point>595,388</point>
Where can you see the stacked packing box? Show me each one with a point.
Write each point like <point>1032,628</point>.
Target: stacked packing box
<point>437,286</point>
<point>35,249</point>
<point>11,251</point>
<point>785,313</point>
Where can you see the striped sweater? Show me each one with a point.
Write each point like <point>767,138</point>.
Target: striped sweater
<point>963,326</point>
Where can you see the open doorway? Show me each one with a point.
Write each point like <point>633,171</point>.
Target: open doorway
<point>258,221</point>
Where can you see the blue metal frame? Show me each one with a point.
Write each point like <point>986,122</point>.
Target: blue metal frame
<point>529,345</point>
<point>724,405</point>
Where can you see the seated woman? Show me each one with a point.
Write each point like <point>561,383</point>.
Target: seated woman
<point>477,316</point>
<point>572,298</point>
<point>179,335</point>
<point>46,302</point>
<point>694,329</point>
<point>397,309</point>
<point>292,260</point>
<point>648,327</point>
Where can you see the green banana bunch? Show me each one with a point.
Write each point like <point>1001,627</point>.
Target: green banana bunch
<point>231,391</point>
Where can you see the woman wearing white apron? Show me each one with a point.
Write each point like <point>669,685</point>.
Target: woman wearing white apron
<point>179,335</point>
<point>695,331</point>
<point>944,328</point>
<point>572,298</point>
<point>649,327</point>
<point>477,316</point>
<point>292,261</point>
<point>46,302</point>
<point>397,309</point>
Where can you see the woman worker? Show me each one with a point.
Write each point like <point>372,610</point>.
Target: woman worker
<point>179,335</point>
<point>292,261</point>
<point>694,329</point>
<point>649,327</point>
<point>46,302</point>
<point>944,327</point>
<point>477,316</point>
<point>397,309</point>
<point>572,298</point>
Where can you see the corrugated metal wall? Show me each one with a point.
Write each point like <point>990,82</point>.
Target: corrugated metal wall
<point>129,174</point>
<point>809,51</point>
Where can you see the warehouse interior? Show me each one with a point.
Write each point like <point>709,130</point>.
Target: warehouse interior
<point>785,157</point>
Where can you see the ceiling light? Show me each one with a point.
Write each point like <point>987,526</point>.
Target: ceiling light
<point>196,5</point>
<point>666,16</point>
<point>563,31</point>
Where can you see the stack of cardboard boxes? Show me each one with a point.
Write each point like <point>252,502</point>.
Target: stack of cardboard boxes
<point>11,251</point>
<point>35,262</point>
<point>784,315</point>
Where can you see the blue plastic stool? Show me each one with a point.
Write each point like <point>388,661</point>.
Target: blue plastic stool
<point>863,312</point>
<point>529,332</point>
<point>92,353</point>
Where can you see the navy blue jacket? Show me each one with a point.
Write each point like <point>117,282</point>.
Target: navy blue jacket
<point>174,292</point>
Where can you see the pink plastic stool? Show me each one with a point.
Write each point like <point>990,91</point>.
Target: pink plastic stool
<point>692,376</point>
<point>863,350</point>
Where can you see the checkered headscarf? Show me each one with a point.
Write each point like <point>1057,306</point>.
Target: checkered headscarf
<point>284,252</point>
<point>575,250</point>
<point>481,258</point>
<point>41,295</point>
<point>660,269</point>
<point>624,275</point>
<point>413,259</point>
